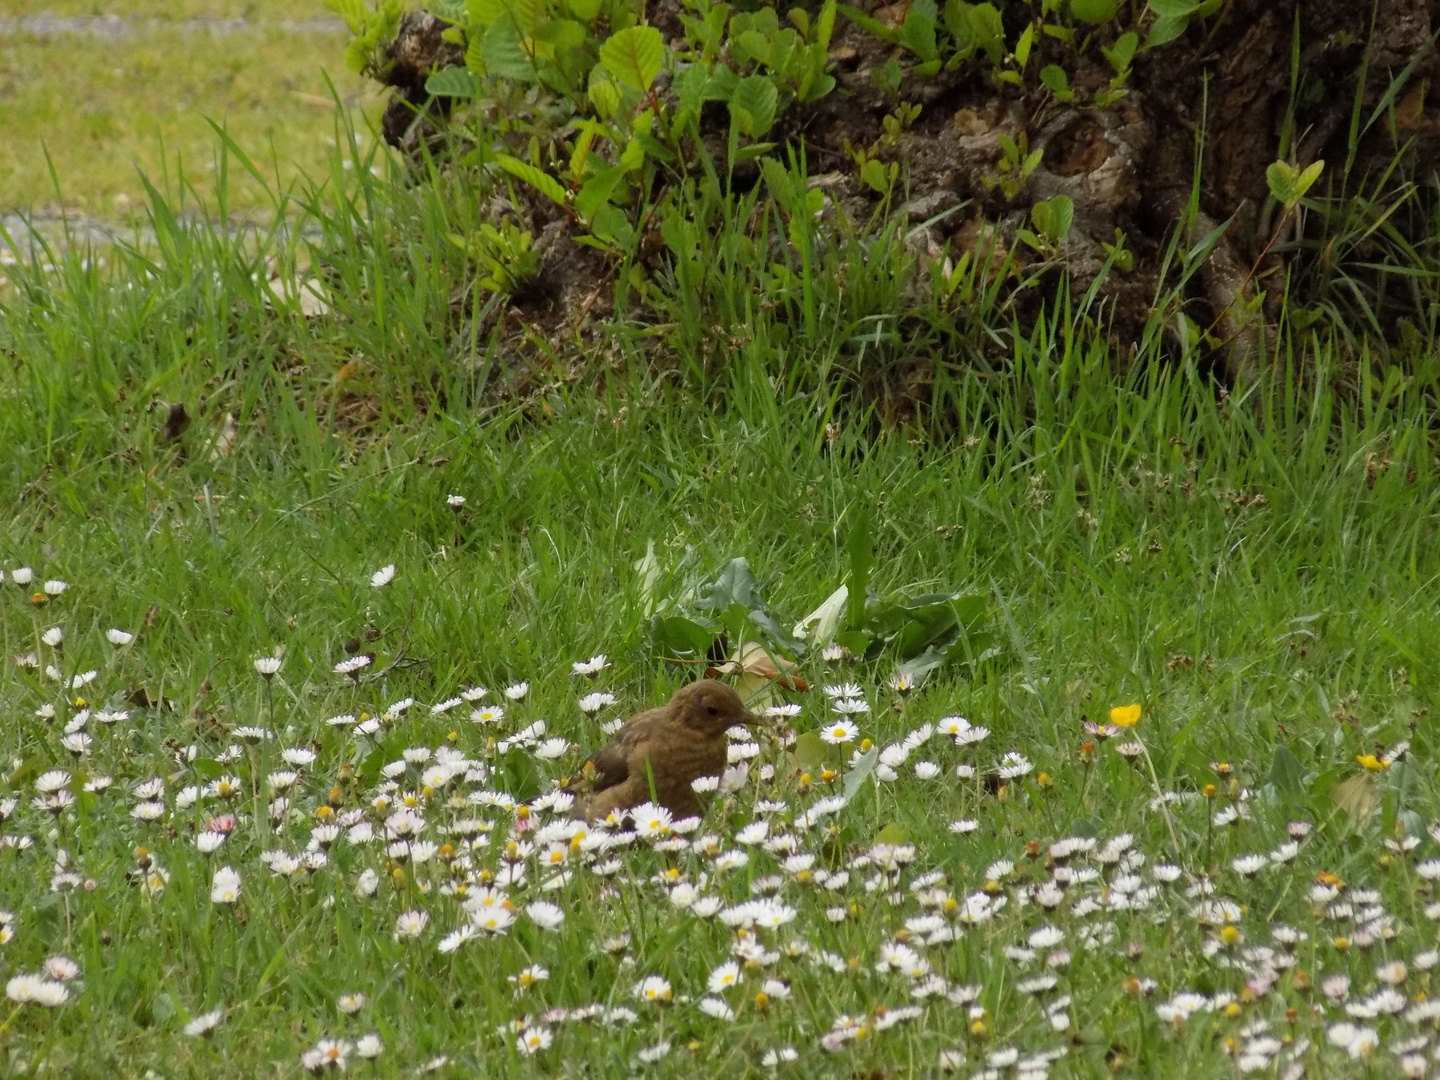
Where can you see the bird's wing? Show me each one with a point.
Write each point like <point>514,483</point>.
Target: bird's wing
<point>610,765</point>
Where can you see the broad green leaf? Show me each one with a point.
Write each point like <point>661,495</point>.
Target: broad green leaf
<point>987,30</point>
<point>1122,52</point>
<point>721,84</point>
<point>735,584</point>
<point>475,54</point>
<point>1281,177</point>
<point>354,12</point>
<point>1055,80</point>
<point>634,56</point>
<point>809,750</point>
<point>596,192</point>
<point>1094,11</point>
<point>604,94</point>
<point>1053,217</point>
<point>561,34</point>
<point>918,29</point>
<point>676,635</point>
<point>453,81</point>
<point>584,10</point>
<point>481,13</point>
<point>893,834</point>
<point>875,177</point>
<point>539,179</point>
<point>860,773</point>
<point>1022,47</point>
<point>503,53</point>
<point>753,105</point>
<point>1164,30</point>
<point>1288,184</point>
<point>689,86</point>
<point>611,224</point>
<point>1174,9</point>
<point>919,667</point>
<point>1287,775</point>
<point>751,45</point>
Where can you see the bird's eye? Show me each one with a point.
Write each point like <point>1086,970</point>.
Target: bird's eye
<point>712,710</point>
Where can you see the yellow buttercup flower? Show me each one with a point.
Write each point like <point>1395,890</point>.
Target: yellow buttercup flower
<point>1125,716</point>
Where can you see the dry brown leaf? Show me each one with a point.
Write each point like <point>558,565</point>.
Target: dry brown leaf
<point>758,670</point>
<point>1359,796</point>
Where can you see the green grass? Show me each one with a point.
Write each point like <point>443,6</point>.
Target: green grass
<point>98,110</point>
<point>1256,572</point>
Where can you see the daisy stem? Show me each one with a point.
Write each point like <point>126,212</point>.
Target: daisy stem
<point>1160,798</point>
<point>13,1013</point>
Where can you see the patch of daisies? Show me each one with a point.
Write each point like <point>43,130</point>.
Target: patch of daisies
<point>985,946</point>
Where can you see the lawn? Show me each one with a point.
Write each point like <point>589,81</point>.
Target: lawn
<point>1115,760</point>
<point>99,103</point>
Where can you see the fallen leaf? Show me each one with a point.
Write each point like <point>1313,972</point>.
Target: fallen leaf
<point>1359,796</point>
<point>758,670</point>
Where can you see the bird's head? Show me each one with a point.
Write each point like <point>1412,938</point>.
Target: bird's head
<point>709,706</point>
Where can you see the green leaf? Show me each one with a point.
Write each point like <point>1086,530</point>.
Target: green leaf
<point>611,224</point>
<point>452,81</point>
<point>1122,52</point>
<point>1094,11</point>
<point>893,834</point>
<point>539,179</point>
<point>918,30</point>
<point>1288,776</point>
<point>503,53</point>
<point>735,585</point>
<point>1174,9</point>
<point>1053,217</point>
<point>595,193</point>
<point>874,175</point>
<point>584,10</point>
<point>1022,47</point>
<point>676,635</point>
<point>354,12</point>
<point>919,667</point>
<point>561,34</point>
<point>634,56</point>
<point>825,25</point>
<point>1164,30</point>
<point>809,750</point>
<point>860,773</point>
<point>604,94</point>
<point>987,30</point>
<point>753,105</point>
<point>1288,184</point>
<point>1055,80</point>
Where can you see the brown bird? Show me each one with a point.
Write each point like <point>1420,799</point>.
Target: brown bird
<point>660,752</point>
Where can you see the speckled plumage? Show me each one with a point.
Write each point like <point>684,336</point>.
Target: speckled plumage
<point>660,752</point>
